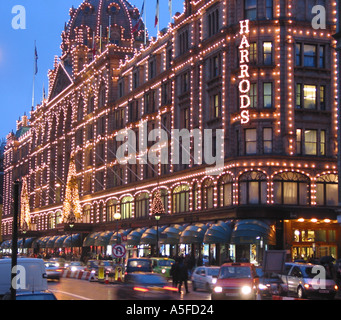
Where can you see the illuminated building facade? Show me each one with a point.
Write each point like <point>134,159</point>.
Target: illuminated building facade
<point>255,69</point>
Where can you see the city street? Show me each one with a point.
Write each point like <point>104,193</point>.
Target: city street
<point>73,289</point>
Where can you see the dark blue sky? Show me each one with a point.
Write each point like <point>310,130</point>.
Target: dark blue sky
<point>45,21</point>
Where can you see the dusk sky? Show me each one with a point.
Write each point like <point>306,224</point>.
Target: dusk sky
<point>45,21</point>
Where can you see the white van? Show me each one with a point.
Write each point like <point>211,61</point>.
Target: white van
<point>31,276</point>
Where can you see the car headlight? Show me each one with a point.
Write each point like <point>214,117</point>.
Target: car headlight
<point>73,269</point>
<point>218,289</point>
<point>214,280</point>
<point>163,271</point>
<point>246,290</point>
<point>262,287</point>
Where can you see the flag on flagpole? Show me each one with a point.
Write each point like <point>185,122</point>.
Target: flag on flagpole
<point>137,25</point>
<point>157,14</point>
<point>170,8</point>
<point>35,59</point>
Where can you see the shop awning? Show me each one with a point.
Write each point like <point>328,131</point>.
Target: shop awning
<point>171,235</point>
<point>218,233</point>
<point>59,241</point>
<point>121,237</point>
<point>134,237</point>
<point>194,233</point>
<point>90,239</point>
<point>73,240</point>
<point>28,243</point>
<point>6,244</point>
<point>150,235</point>
<point>252,231</point>
<point>103,238</point>
<point>41,242</point>
<point>50,243</point>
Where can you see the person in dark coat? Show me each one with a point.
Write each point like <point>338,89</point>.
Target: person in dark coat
<point>174,272</point>
<point>183,275</point>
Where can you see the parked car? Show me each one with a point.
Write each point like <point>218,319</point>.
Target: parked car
<point>53,271</point>
<point>34,278</point>
<point>162,266</point>
<point>307,280</point>
<point>205,278</point>
<point>145,286</point>
<point>59,261</point>
<point>236,281</point>
<point>92,266</point>
<point>270,284</point>
<point>138,265</point>
<point>40,295</point>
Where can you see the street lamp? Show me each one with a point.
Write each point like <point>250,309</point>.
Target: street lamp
<point>157,218</point>
<point>117,217</point>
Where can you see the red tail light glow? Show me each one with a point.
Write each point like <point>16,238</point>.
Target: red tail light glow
<point>170,288</point>
<point>141,289</point>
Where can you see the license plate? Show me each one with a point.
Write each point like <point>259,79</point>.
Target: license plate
<point>323,291</point>
<point>231,294</point>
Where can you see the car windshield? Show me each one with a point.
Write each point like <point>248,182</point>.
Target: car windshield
<point>50,265</point>
<point>149,279</point>
<point>139,263</point>
<point>317,271</point>
<point>213,271</point>
<point>165,263</point>
<point>234,272</point>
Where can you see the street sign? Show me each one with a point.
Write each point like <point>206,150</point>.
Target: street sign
<point>119,251</point>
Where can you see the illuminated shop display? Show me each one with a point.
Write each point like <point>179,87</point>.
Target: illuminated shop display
<point>263,75</point>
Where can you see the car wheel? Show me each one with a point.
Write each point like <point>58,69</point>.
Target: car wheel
<point>194,286</point>
<point>300,293</point>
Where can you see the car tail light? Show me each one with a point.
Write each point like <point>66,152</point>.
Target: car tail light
<point>336,287</point>
<point>60,270</point>
<point>170,288</point>
<point>141,289</point>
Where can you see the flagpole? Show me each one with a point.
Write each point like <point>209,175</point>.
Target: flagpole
<point>34,71</point>
<point>145,29</point>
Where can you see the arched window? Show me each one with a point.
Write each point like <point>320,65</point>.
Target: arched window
<point>207,194</point>
<point>111,209</point>
<point>87,214</point>
<point>91,104</point>
<point>327,190</point>
<point>252,188</point>
<point>127,207</point>
<point>291,188</point>
<point>225,191</point>
<point>52,220</point>
<point>142,205</point>
<point>181,198</point>
<point>102,96</point>
<point>59,217</point>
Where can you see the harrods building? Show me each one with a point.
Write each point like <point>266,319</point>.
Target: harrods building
<point>255,69</point>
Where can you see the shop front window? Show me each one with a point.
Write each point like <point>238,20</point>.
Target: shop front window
<point>253,188</point>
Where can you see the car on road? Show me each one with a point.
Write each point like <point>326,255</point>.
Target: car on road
<point>236,281</point>
<point>162,266</point>
<point>270,284</point>
<point>92,266</point>
<point>40,295</point>
<point>53,271</point>
<point>205,278</point>
<point>138,265</point>
<point>145,286</point>
<point>76,266</point>
<point>307,280</point>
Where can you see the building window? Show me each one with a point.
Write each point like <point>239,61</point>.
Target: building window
<point>310,142</point>
<point>87,214</point>
<point>327,190</point>
<point>250,7</point>
<point>267,53</point>
<point>126,207</point>
<point>215,67</point>
<point>269,9</point>
<point>215,106</point>
<point>181,199</point>
<point>309,55</point>
<point>183,42</point>
<point>184,82</point>
<point>111,210</point>
<point>213,22</point>
<point>267,140</point>
<point>91,104</point>
<point>253,95</point>
<point>267,95</point>
<point>323,97</point>
<point>322,63</point>
<point>142,205</point>
<point>250,141</point>
<point>298,54</point>
<point>291,188</point>
<point>253,56</point>
<point>225,191</point>
<point>207,194</point>
<point>253,188</point>
<point>186,118</point>
<point>152,68</point>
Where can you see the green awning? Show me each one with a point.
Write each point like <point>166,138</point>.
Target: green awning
<point>73,240</point>
<point>171,235</point>
<point>103,238</point>
<point>59,241</point>
<point>134,237</point>
<point>218,233</point>
<point>90,239</point>
<point>150,235</point>
<point>194,233</point>
<point>252,231</point>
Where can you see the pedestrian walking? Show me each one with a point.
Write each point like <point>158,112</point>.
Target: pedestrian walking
<point>174,272</point>
<point>183,275</point>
